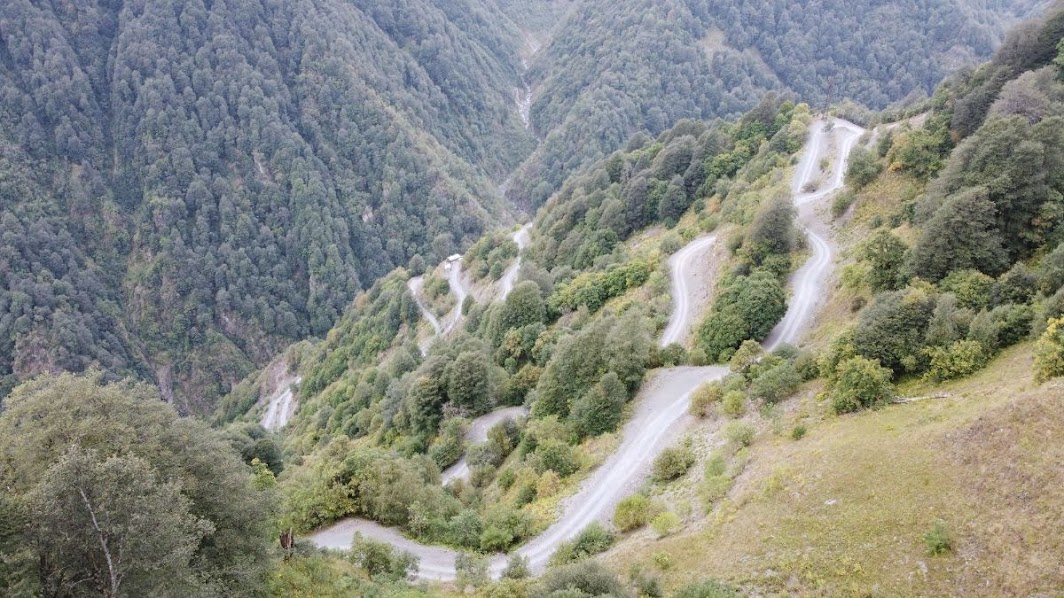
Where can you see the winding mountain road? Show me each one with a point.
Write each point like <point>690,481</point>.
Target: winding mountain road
<point>807,282</point>
<point>661,407</point>
<point>477,433</point>
<point>509,279</point>
<point>681,265</point>
<point>281,406</point>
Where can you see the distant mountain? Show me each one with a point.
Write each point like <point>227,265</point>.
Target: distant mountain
<point>614,67</point>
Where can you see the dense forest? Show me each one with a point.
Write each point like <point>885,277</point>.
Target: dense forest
<point>189,186</point>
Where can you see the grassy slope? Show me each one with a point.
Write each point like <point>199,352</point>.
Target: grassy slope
<point>987,460</point>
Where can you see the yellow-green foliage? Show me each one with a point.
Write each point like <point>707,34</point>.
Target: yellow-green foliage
<point>704,397</point>
<point>632,512</point>
<point>1049,351</point>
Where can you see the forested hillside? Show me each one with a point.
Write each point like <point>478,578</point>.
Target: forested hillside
<point>189,186</point>
<point>612,68</point>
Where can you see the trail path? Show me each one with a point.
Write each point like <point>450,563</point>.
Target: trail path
<point>661,406</point>
<point>682,267</point>
<point>281,406</point>
<point>506,283</point>
<point>477,433</point>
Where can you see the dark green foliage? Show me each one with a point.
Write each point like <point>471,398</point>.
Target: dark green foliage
<point>189,187</point>
<point>609,345</point>
<point>653,183</point>
<point>863,168</point>
<point>746,308</point>
<point>885,254</point>
<point>557,456</point>
<point>489,256</point>
<point>1017,168</point>
<point>962,234</point>
<point>615,68</point>
<point>467,383</point>
<point>861,383</point>
<point>772,231</point>
<point>136,461</point>
<point>599,411</point>
<point>891,330</point>
<point>776,382</point>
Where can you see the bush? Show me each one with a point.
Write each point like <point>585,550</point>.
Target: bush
<point>937,539</point>
<point>517,567</point>
<point>665,524</point>
<point>379,559</point>
<point>708,589</point>
<point>472,569</point>
<point>798,432</point>
<point>739,433</point>
<point>747,355</point>
<point>588,577</point>
<point>733,404</point>
<point>592,540</point>
<point>599,410</point>
<point>704,397</point>
<point>972,288</point>
<point>672,463</point>
<point>776,383</point>
<point>863,168</point>
<point>956,361</point>
<point>672,355</point>
<point>861,383</point>
<point>842,202</point>
<point>557,456</point>
<point>632,513</point>
<point>1049,352</point>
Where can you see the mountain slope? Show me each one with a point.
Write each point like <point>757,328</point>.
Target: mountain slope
<point>614,68</point>
<point>187,187</point>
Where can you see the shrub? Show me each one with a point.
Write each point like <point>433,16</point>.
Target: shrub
<point>733,404</point>
<point>589,577</point>
<point>472,569</point>
<point>704,397</point>
<point>972,288</point>
<point>842,202</point>
<point>517,567</point>
<point>557,456</point>
<point>739,433</point>
<point>863,168</point>
<point>708,588</point>
<point>663,560</point>
<point>665,524</point>
<point>956,361</point>
<point>776,383</point>
<point>798,432</point>
<point>599,410</point>
<point>861,383</point>
<point>937,539</point>
<point>672,463</point>
<point>747,355</point>
<point>592,540</point>
<point>672,355</point>
<point>1049,352</point>
<point>548,484</point>
<point>632,513</point>
<point>379,559</point>
<point>885,253</point>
